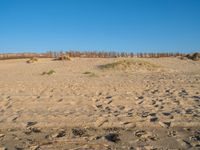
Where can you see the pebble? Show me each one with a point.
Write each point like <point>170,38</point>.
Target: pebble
<point>165,124</point>
<point>153,119</point>
<point>31,123</point>
<point>2,135</point>
<point>113,137</point>
<point>35,147</point>
<point>59,134</point>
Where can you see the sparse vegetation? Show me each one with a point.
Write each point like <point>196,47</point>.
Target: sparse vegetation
<point>86,54</point>
<point>194,56</point>
<point>32,60</point>
<point>63,57</point>
<point>129,64</point>
<point>91,74</point>
<point>50,72</point>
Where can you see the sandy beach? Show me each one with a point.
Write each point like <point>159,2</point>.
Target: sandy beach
<point>87,104</point>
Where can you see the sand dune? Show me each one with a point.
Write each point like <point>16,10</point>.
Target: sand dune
<point>81,106</point>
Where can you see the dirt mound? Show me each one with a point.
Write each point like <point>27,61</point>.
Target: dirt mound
<point>132,64</point>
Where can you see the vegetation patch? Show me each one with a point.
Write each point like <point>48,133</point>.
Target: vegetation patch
<point>194,56</point>
<point>63,57</point>
<point>50,72</point>
<point>90,74</point>
<point>32,60</point>
<point>130,64</point>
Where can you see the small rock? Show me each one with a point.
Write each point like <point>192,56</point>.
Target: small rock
<point>3,148</point>
<point>31,123</point>
<point>165,124</point>
<point>120,107</point>
<point>108,97</point>
<point>113,137</point>
<point>140,133</point>
<point>59,134</point>
<point>172,133</point>
<point>35,147</point>
<point>153,119</point>
<point>2,135</point>
<point>78,132</point>
<point>184,143</point>
<point>166,113</point>
<point>140,97</point>
<point>145,114</point>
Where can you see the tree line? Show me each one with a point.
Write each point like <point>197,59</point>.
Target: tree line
<point>87,54</point>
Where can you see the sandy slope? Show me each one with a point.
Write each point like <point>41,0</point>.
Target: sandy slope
<point>72,110</point>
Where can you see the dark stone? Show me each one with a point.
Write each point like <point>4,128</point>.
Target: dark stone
<point>153,119</point>
<point>78,132</point>
<point>140,97</point>
<point>31,123</point>
<point>113,137</point>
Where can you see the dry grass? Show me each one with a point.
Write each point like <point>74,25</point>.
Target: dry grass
<point>32,60</point>
<point>50,72</point>
<point>63,57</point>
<point>90,74</point>
<point>194,56</point>
<point>130,64</point>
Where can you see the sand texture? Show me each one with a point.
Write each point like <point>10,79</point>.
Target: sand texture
<point>100,103</point>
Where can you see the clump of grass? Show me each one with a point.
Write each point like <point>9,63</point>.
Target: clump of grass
<point>50,72</point>
<point>32,60</point>
<point>91,74</point>
<point>194,56</point>
<point>129,64</point>
<point>63,57</point>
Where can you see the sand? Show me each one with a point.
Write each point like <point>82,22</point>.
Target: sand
<point>78,105</point>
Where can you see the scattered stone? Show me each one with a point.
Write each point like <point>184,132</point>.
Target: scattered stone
<point>184,143</point>
<point>31,123</point>
<point>101,121</point>
<point>140,97</point>
<point>18,148</point>
<point>3,148</point>
<point>153,119</point>
<point>37,147</point>
<point>165,124</point>
<point>108,97</point>
<point>60,134</point>
<point>140,102</point>
<point>145,114</point>
<point>130,114</point>
<point>99,106</point>
<point>78,132</point>
<point>189,111</point>
<point>166,113</point>
<point>2,135</point>
<point>60,100</point>
<point>120,107</point>
<point>113,137</point>
<point>35,130</point>
<point>110,101</point>
<point>172,133</point>
<point>140,133</point>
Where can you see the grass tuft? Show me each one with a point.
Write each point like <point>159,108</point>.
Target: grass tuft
<point>50,72</point>
<point>91,74</point>
<point>129,64</point>
<point>32,60</point>
<point>63,57</point>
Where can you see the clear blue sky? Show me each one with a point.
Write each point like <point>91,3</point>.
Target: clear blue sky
<point>120,25</point>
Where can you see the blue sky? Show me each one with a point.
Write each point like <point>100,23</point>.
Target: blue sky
<point>114,25</point>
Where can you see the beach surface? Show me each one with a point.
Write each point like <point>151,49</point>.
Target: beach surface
<point>89,103</point>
